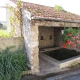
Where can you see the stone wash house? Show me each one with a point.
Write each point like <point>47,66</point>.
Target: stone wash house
<point>41,28</point>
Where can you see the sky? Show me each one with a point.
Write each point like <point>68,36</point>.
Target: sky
<point>68,5</point>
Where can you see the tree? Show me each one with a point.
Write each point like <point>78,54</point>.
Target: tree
<point>1,26</point>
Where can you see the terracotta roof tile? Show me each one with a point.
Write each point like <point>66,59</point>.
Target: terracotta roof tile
<point>42,11</point>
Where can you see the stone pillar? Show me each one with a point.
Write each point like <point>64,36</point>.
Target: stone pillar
<point>34,47</point>
<point>30,34</point>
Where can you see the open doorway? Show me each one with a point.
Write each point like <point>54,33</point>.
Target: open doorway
<point>49,39</point>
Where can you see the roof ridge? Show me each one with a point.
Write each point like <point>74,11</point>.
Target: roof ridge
<point>43,11</point>
<point>49,7</point>
<point>38,4</point>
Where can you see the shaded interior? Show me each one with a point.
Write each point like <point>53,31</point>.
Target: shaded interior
<point>62,54</point>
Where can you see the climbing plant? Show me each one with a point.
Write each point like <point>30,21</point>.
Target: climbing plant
<point>70,38</point>
<point>15,16</point>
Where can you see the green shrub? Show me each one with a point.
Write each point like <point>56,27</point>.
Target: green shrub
<point>4,33</point>
<point>12,63</point>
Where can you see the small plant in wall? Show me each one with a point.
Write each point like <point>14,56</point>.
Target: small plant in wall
<point>70,38</point>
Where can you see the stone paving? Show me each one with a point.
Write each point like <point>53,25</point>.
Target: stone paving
<point>45,65</point>
<point>75,75</point>
<point>47,68</point>
<point>71,77</point>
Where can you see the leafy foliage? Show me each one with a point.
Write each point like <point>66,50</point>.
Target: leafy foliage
<point>12,63</point>
<point>65,36</point>
<point>70,38</point>
<point>59,8</point>
<point>15,17</point>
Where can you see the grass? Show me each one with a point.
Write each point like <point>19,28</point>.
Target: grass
<point>75,64</point>
<point>12,63</point>
<point>4,33</point>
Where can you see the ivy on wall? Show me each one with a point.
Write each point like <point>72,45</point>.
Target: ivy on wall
<point>15,16</point>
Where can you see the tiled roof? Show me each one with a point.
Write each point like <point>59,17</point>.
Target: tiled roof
<point>40,11</point>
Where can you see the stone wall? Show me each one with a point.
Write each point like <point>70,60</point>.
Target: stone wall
<point>7,42</point>
<point>30,34</point>
<point>57,34</point>
<point>55,23</point>
<point>48,37</point>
